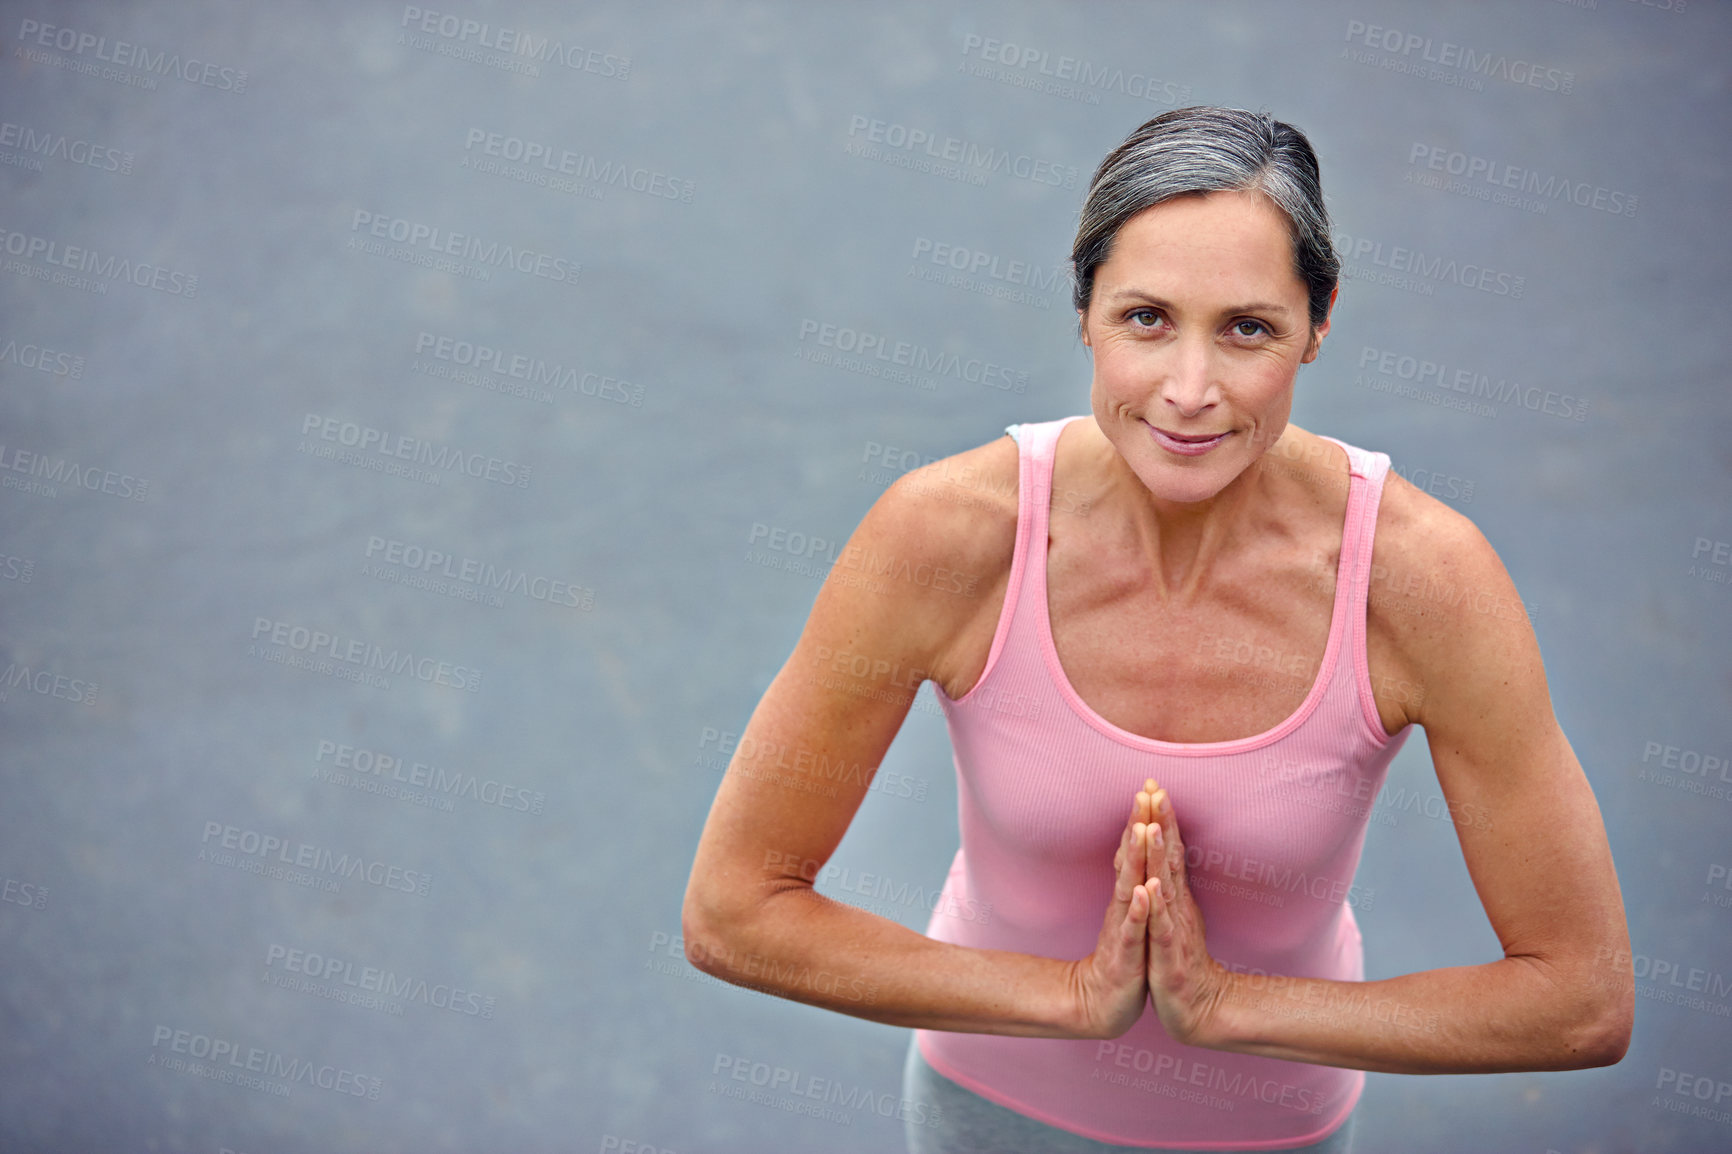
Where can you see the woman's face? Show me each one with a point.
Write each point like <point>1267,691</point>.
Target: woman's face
<point>1198,325</point>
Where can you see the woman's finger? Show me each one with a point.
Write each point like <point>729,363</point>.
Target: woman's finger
<point>1160,914</point>
<point>1175,843</point>
<point>1155,862</point>
<point>1131,900</point>
<point>1136,924</point>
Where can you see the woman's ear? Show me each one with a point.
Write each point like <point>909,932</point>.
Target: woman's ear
<point>1082,328</point>
<point>1321,331</point>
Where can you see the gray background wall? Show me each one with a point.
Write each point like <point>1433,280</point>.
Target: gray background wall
<point>196,317</point>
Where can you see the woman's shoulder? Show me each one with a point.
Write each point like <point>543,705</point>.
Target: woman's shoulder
<point>927,571</point>
<point>1413,527</point>
<point>960,511</point>
<point>1439,593</point>
<point>1421,536</point>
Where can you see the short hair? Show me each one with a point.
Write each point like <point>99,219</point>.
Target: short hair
<point>1200,149</point>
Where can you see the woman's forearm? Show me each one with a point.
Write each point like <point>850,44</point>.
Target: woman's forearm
<point>798,944</point>
<point>1517,1013</point>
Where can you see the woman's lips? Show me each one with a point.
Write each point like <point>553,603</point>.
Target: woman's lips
<point>1187,444</point>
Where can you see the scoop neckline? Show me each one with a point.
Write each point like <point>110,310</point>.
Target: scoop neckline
<point>1039,554</point>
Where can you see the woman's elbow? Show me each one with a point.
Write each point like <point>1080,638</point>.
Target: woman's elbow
<point>704,926</point>
<point>1618,1022</point>
<point>724,928</point>
<point>1602,1036</point>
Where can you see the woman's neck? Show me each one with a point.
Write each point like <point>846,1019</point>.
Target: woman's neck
<point>1183,542</point>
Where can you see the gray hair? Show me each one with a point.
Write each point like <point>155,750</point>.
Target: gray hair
<point>1200,149</point>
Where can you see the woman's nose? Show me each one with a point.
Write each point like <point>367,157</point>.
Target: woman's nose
<point>1188,388</point>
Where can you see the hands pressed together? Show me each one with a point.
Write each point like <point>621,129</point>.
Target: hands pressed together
<point>1151,945</point>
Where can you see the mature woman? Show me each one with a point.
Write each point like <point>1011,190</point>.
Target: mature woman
<point>1172,697</point>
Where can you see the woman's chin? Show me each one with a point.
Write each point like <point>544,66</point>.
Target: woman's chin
<point>1185,486</point>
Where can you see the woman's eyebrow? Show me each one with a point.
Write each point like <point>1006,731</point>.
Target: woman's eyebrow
<point>1127,294</point>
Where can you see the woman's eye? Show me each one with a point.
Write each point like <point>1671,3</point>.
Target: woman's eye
<point>1144,318</point>
<point>1249,328</point>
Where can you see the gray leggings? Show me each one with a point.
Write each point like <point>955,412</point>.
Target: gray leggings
<point>969,1124</point>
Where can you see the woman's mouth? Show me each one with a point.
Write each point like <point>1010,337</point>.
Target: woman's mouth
<point>1187,444</point>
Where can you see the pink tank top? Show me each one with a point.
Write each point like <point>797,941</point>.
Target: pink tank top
<point>1273,826</point>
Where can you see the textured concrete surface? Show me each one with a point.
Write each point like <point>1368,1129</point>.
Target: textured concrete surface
<point>651,225</point>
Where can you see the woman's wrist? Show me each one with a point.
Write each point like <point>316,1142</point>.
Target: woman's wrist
<point>1220,1014</point>
<point>1074,1009</point>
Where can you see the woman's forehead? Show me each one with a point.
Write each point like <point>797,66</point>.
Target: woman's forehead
<point>1237,239</point>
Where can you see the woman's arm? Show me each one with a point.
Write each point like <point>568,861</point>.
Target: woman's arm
<point>912,596</point>
<point>1562,995</point>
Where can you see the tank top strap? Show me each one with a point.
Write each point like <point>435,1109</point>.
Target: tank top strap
<point>1367,471</point>
<point>1039,453</point>
<point>1025,592</point>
